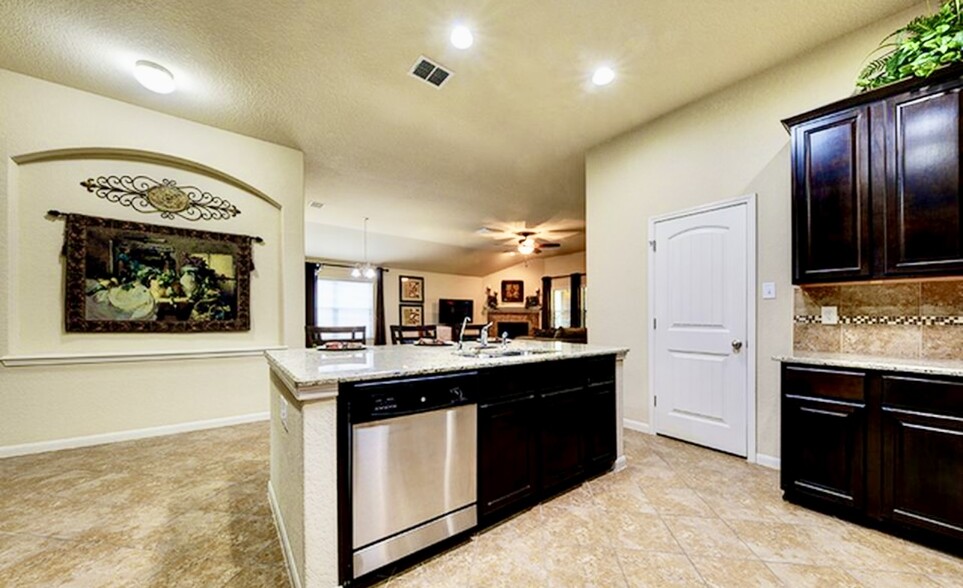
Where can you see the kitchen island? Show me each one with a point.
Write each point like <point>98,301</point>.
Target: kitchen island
<point>545,415</point>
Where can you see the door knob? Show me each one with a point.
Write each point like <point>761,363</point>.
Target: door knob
<point>736,345</point>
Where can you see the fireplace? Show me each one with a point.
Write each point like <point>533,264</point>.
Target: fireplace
<point>519,322</point>
<point>513,328</point>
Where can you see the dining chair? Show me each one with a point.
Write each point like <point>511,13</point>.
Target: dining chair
<point>401,335</point>
<point>315,336</point>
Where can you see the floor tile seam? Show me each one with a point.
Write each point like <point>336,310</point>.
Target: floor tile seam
<point>739,537</point>
<point>783,582</point>
<point>696,568</point>
<point>618,562</point>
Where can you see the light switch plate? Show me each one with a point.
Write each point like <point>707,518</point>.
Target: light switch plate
<point>768,290</point>
<point>829,315</point>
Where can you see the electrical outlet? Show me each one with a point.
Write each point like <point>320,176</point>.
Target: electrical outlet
<point>283,411</point>
<point>829,315</point>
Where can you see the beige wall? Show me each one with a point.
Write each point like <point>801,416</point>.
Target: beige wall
<point>436,286</point>
<point>724,146</point>
<point>44,403</point>
<point>531,272</point>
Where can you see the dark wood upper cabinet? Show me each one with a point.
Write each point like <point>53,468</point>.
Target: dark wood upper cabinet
<point>922,206</point>
<point>876,183</point>
<point>831,197</point>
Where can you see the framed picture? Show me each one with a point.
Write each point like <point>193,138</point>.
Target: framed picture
<point>131,277</point>
<point>411,315</point>
<point>513,291</point>
<point>411,289</point>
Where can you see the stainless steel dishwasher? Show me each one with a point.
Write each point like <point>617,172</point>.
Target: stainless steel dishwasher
<point>413,465</point>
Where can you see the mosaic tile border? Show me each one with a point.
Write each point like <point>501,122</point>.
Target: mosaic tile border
<point>861,319</point>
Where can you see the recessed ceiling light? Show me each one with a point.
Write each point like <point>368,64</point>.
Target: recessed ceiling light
<point>603,76</point>
<point>155,78</point>
<point>461,37</point>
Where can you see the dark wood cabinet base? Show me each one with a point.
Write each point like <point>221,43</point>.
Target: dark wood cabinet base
<point>883,449</point>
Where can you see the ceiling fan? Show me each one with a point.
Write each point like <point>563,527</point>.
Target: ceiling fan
<point>528,241</point>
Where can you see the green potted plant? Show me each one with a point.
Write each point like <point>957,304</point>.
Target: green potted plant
<point>924,45</point>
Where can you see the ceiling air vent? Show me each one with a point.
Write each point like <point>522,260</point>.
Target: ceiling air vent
<point>430,72</point>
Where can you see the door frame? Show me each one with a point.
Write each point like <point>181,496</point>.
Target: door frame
<point>749,201</point>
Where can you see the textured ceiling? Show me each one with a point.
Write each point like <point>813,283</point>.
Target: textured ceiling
<point>502,142</point>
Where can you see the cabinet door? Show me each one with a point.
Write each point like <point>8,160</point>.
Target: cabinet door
<point>823,435</point>
<point>922,204</point>
<point>562,438</point>
<point>923,454</point>
<point>507,454</point>
<point>600,427</point>
<point>831,210</point>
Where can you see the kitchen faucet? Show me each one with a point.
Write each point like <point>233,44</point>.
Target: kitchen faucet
<point>483,336</point>
<point>461,333</point>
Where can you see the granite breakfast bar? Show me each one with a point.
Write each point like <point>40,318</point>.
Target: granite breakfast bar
<point>570,388</point>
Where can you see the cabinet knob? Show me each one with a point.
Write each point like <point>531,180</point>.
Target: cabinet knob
<point>736,345</point>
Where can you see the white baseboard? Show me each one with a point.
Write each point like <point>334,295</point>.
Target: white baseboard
<point>637,426</point>
<point>767,461</point>
<point>283,536</point>
<point>620,464</point>
<point>100,439</point>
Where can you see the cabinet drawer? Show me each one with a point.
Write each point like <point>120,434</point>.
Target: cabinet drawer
<point>930,396</point>
<point>832,384</point>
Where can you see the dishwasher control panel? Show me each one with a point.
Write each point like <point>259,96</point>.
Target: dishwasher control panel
<point>390,398</point>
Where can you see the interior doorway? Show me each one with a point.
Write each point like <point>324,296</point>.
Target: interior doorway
<point>702,308</point>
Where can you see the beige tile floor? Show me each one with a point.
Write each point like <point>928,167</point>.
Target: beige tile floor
<point>190,510</point>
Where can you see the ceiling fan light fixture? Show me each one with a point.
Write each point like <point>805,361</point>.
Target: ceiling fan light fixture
<point>154,77</point>
<point>356,272</point>
<point>527,246</point>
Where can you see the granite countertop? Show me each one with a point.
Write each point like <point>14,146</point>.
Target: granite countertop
<point>312,368</point>
<point>936,367</point>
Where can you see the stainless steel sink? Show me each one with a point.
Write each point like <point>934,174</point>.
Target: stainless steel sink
<point>500,352</point>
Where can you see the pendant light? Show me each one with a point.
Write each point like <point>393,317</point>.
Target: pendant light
<point>364,270</point>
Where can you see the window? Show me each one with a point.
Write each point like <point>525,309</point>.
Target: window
<point>561,302</point>
<point>345,303</point>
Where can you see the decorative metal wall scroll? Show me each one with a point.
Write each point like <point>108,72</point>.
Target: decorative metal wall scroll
<point>135,277</point>
<point>147,195</point>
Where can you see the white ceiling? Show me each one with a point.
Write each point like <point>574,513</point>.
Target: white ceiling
<point>502,142</point>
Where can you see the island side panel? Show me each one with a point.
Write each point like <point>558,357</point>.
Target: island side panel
<point>303,484</point>
<point>321,492</point>
<point>286,486</point>
<point>620,461</point>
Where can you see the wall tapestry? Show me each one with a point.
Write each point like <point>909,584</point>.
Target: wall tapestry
<point>147,195</point>
<point>135,277</point>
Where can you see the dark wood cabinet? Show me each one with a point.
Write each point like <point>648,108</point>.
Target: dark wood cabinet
<point>876,183</point>
<point>541,432</point>
<point>600,434</point>
<point>824,428</point>
<point>562,438</point>
<point>507,455</point>
<point>886,448</point>
<point>922,432</point>
<point>831,207</point>
<point>922,209</point>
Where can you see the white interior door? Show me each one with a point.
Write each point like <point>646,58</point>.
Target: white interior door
<point>700,356</point>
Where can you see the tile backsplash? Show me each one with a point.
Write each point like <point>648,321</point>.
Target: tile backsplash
<point>918,319</point>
